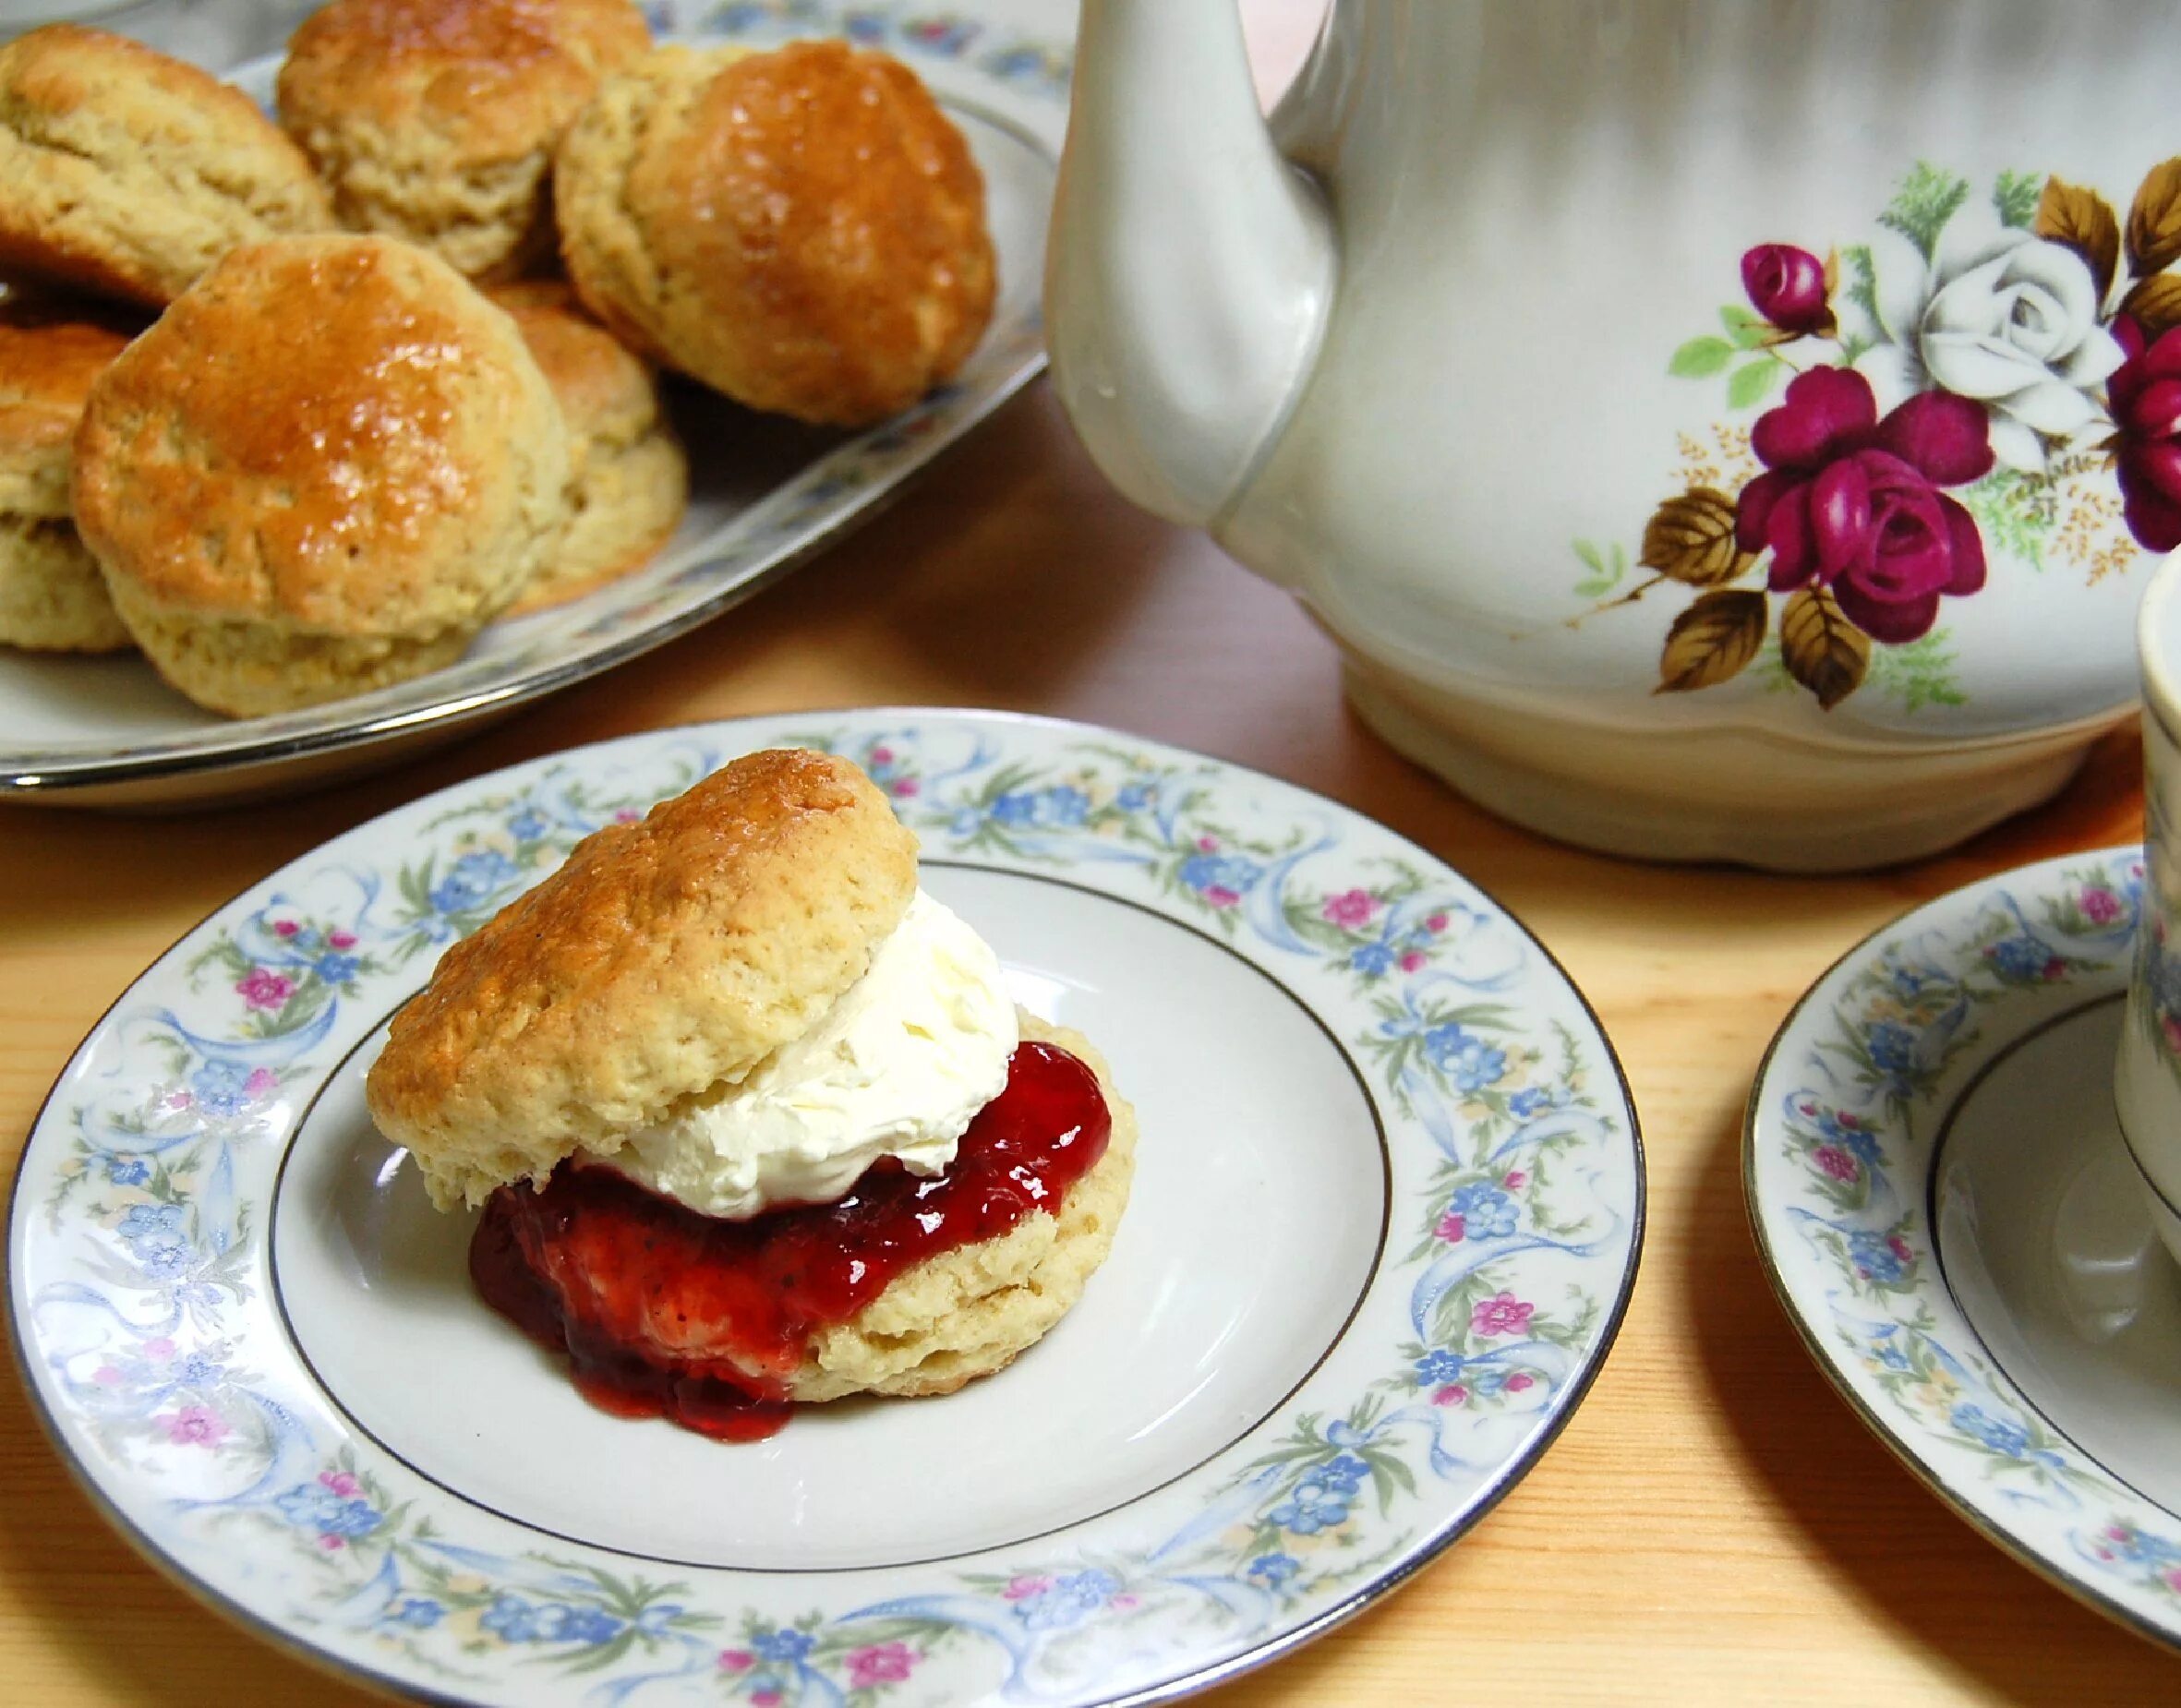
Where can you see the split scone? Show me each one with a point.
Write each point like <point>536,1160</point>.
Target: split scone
<point>802,230</point>
<point>752,1117</point>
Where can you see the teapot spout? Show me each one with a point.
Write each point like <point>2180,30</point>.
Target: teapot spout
<point>1190,268</point>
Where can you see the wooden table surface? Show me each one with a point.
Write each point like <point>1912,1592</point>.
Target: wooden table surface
<point>1713,1526</point>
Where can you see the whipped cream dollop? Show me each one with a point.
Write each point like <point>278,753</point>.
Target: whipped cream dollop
<point>897,1067</point>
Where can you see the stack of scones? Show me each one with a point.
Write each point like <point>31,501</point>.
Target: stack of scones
<point>297,408</point>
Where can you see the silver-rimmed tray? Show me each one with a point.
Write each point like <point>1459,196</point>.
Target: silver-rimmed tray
<point>767,495</point>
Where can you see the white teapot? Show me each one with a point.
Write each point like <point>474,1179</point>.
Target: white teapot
<point>1709,428</point>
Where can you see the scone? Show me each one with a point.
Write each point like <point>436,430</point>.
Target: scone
<point>753,1118</point>
<point>130,174</point>
<point>630,483</point>
<point>52,596</point>
<point>803,230</point>
<point>321,471</point>
<point>435,120</point>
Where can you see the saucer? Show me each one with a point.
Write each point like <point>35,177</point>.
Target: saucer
<point>1386,1217</point>
<point>1947,1207</point>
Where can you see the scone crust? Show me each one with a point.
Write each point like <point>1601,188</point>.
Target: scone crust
<point>662,959</point>
<point>52,596</point>
<point>629,482</point>
<point>602,386</point>
<point>51,353</point>
<point>971,1311</point>
<point>331,459</point>
<point>802,229</point>
<point>128,173</point>
<point>436,120</point>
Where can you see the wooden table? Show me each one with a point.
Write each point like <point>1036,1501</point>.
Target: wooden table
<point>1713,1525</point>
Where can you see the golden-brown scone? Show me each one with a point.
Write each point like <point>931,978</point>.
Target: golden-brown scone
<point>803,230</point>
<point>52,597</point>
<point>128,173</point>
<point>322,470</point>
<point>630,483</point>
<point>435,120</point>
<point>662,959</point>
<point>969,1311</point>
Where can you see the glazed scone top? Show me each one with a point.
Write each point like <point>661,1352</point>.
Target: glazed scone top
<point>127,162</point>
<point>337,433</point>
<point>477,81</point>
<point>50,354</point>
<point>664,958</point>
<point>802,228</point>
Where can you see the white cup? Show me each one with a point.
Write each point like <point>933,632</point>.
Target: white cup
<point>2147,1072</point>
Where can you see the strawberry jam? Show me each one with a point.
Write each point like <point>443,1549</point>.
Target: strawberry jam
<point>664,1312</point>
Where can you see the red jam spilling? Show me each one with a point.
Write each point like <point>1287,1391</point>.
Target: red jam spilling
<point>664,1312</point>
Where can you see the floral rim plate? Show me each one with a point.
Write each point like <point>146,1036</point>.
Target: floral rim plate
<point>1387,1215</point>
<point>1914,1064</point>
<point>767,495</point>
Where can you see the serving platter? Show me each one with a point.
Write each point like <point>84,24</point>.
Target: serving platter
<point>1946,1206</point>
<point>1388,1209</point>
<point>767,494</point>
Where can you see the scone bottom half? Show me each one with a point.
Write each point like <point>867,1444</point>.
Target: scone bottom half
<point>902,1286</point>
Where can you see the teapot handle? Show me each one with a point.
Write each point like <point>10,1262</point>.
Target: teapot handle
<point>1190,267</point>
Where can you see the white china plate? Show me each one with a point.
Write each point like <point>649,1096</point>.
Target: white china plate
<point>1946,1206</point>
<point>1386,1217</point>
<point>767,494</point>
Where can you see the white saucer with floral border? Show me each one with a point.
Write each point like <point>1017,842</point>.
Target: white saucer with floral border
<point>1944,1204</point>
<point>1386,1218</point>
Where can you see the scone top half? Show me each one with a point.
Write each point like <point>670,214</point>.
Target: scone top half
<point>664,958</point>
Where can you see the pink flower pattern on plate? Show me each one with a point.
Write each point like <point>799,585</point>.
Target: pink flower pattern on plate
<point>194,1426</point>
<point>1351,909</point>
<point>1501,1314</point>
<point>886,1663</point>
<point>263,988</point>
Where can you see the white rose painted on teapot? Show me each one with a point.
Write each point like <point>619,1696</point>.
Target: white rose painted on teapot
<point>1708,429</point>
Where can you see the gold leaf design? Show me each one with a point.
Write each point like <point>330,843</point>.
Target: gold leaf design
<point>1713,641</point>
<point>2156,302</point>
<point>2084,221</point>
<point>1821,648</point>
<point>1691,539</point>
<point>2154,221</point>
